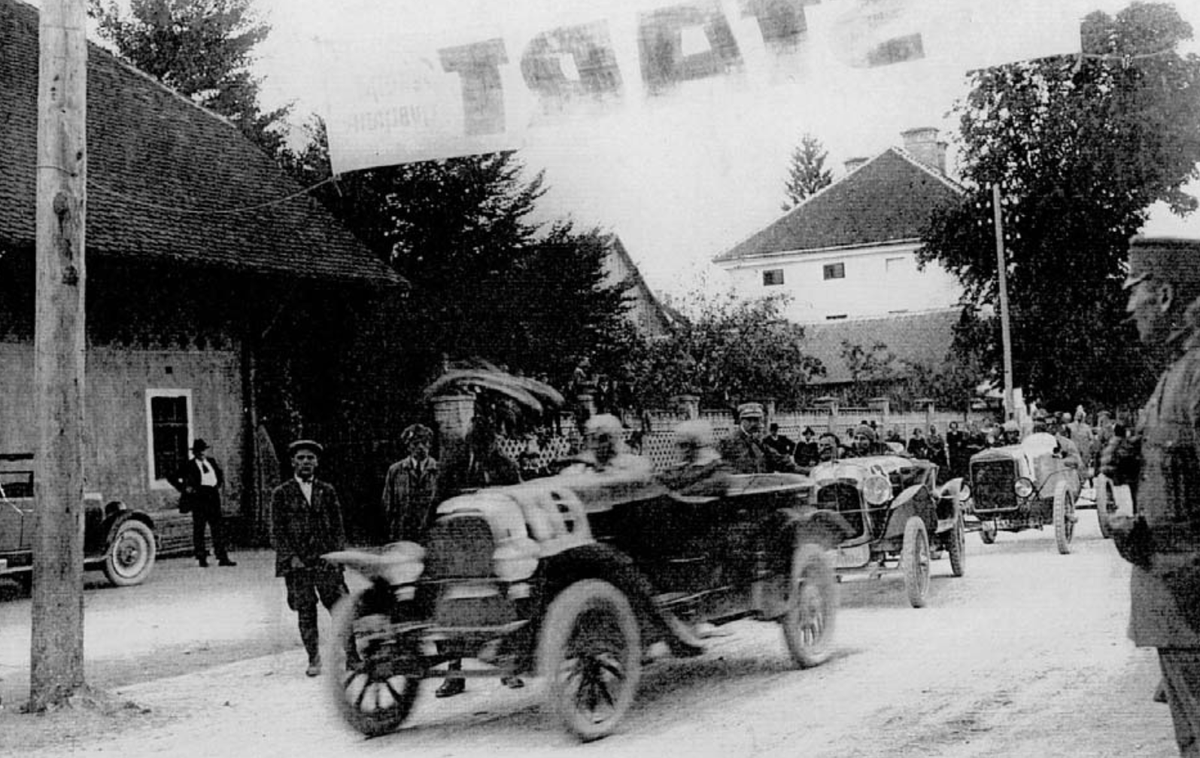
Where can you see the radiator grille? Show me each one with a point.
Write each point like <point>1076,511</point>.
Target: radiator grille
<point>459,547</point>
<point>992,485</point>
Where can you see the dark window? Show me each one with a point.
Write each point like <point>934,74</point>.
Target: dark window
<point>835,270</point>
<point>836,317</point>
<point>773,277</point>
<point>169,434</point>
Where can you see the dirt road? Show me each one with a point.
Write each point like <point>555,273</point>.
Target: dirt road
<point>1025,655</point>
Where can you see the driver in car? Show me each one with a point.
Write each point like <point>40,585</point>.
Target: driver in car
<point>866,442</point>
<point>605,451</point>
<point>702,472</point>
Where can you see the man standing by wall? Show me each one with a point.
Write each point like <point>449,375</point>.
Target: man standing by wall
<point>1163,540</point>
<point>199,482</point>
<point>307,523</point>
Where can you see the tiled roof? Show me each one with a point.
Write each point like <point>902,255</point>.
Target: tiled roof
<point>886,199</point>
<point>151,155</point>
<point>920,338</point>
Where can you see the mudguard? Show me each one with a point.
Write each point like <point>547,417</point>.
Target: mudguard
<point>97,536</point>
<point>810,524</point>
<point>948,503</point>
<point>914,501</point>
<point>599,561</point>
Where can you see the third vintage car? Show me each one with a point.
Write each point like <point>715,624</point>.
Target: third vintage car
<point>900,517</point>
<point>116,538</point>
<point>580,579</point>
<point>1024,486</point>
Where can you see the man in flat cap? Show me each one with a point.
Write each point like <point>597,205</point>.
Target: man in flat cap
<point>1163,540</point>
<point>410,491</point>
<point>199,482</point>
<point>744,450</point>
<point>307,523</point>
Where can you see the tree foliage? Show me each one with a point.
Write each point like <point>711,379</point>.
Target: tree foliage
<point>1081,147</point>
<point>867,366</point>
<point>806,173</point>
<point>725,351</point>
<point>203,49</point>
<point>486,280</point>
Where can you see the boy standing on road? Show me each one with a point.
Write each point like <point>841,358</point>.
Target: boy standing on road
<point>306,523</point>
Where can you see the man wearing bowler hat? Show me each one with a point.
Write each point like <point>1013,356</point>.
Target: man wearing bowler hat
<point>1162,540</point>
<point>744,450</point>
<point>199,482</point>
<point>306,523</point>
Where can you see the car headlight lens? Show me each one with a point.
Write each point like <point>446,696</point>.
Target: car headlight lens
<point>964,492</point>
<point>403,563</point>
<point>1023,487</point>
<point>515,559</point>
<point>877,490</point>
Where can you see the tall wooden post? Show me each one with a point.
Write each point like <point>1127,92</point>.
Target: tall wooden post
<point>1005,334</point>
<point>56,669</point>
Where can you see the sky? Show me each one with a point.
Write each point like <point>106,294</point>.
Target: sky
<point>678,189</point>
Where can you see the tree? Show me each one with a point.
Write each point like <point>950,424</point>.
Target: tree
<point>807,173</point>
<point>487,281</point>
<point>1081,146</point>
<point>203,49</point>
<point>866,366</point>
<point>726,351</point>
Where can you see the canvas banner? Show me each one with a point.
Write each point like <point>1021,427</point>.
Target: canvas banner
<point>501,75</point>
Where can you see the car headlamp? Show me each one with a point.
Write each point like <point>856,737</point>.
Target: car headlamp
<point>877,490</point>
<point>1023,487</point>
<point>402,563</point>
<point>515,559</point>
<point>964,492</point>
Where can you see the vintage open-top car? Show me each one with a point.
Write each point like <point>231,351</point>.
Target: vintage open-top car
<point>116,538</point>
<point>899,516</point>
<point>1024,486</point>
<point>579,578</point>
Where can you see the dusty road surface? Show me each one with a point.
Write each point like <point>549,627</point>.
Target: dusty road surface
<point>1024,656</point>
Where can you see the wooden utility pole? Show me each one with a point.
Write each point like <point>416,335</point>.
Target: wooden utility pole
<point>1005,335</point>
<point>56,654</point>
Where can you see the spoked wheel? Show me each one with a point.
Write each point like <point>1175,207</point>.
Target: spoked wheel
<point>591,653</point>
<point>131,554</point>
<point>376,693</point>
<point>812,604</point>
<point>987,532</point>
<point>1064,519</point>
<point>1105,504</point>
<point>914,560</point>
<point>957,547</point>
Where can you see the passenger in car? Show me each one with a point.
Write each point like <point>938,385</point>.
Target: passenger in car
<point>605,450</point>
<point>702,472</point>
<point>866,442</point>
<point>744,450</point>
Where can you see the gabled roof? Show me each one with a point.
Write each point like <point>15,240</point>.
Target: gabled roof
<point>642,290</point>
<point>914,338</point>
<point>163,176</point>
<point>887,199</point>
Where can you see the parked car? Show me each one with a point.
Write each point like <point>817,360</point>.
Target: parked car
<point>901,519</point>
<point>116,538</point>
<point>579,578</point>
<point>1024,486</point>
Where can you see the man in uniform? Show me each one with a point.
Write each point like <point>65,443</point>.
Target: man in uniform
<point>307,523</point>
<point>1163,540</point>
<point>744,450</point>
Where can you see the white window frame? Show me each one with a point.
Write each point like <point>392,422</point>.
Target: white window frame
<point>828,268</point>
<point>163,484</point>
<point>773,273</point>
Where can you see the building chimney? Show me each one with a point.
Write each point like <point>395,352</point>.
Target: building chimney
<point>853,163</point>
<point>922,143</point>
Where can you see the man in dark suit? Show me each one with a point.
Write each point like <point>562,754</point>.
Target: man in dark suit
<point>743,448</point>
<point>199,482</point>
<point>306,522</point>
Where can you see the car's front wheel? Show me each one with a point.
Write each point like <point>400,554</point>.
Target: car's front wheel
<point>590,651</point>
<point>131,553</point>
<point>1064,519</point>
<point>373,675</point>
<point>1103,488</point>
<point>812,603</point>
<point>914,561</point>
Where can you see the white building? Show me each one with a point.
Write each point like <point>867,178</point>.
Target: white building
<point>849,251</point>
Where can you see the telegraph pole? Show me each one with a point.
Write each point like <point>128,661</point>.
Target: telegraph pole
<point>1005,335</point>
<point>56,655</point>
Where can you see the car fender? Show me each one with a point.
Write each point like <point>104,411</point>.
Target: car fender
<point>948,503</point>
<point>913,501</point>
<point>807,523</point>
<point>599,561</point>
<point>115,514</point>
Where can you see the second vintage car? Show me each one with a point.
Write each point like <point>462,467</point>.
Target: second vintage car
<point>580,579</point>
<point>901,519</point>
<point>1024,486</point>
